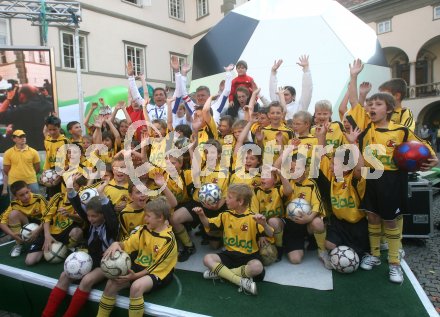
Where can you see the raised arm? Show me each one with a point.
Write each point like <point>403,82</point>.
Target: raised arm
<point>343,106</point>
<point>273,81</point>
<point>137,98</point>
<point>92,108</point>
<point>355,69</point>
<point>170,114</point>
<point>115,133</point>
<point>206,111</point>
<point>364,90</point>
<point>307,84</point>
<point>97,134</point>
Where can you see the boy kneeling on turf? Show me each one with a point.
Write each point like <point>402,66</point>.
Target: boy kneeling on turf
<point>155,262</point>
<point>240,262</point>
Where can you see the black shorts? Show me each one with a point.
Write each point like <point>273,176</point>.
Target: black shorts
<point>157,282</point>
<point>233,259</point>
<point>62,237</point>
<point>386,196</point>
<point>294,235</point>
<point>353,235</point>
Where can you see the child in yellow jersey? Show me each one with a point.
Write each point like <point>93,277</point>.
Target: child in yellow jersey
<point>302,121</point>
<point>241,261</point>
<point>60,222</point>
<point>154,266</point>
<point>180,183</point>
<point>133,214</point>
<point>386,190</point>
<point>52,142</point>
<point>249,173</point>
<point>347,225</point>
<point>267,138</point>
<point>204,124</point>
<point>294,230</point>
<point>74,128</point>
<point>117,188</point>
<point>185,214</point>
<point>401,115</point>
<point>228,160</point>
<point>323,115</point>
<point>110,139</point>
<point>26,207</point>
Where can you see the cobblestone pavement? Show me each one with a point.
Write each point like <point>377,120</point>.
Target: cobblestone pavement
<point>423,257</point>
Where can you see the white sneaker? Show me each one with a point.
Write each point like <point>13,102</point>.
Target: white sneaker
<point>401,254</point>
<point>325,258</point>
<point>396,274</point>
<point>16,250</point>
<point>247,285</point>
<point>384,246</point>
<point>209,275</point>
<point>368,261</point>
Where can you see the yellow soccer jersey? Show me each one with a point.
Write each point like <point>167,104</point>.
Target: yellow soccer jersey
<point>58,222</point>
<point>359,115</point>
<point>240,231</point>
<point>389,137</point>
<point>346,195</point>
<point>269,202</point>
<point>35,209</point>
<point>245,178</point>
<point>130,218</point>
<point>157,250</point>
<point>108,158</point>
<point>116,193</point>
<point>158,151</point>
<point>217,177</point>
<point>183,192</point>
<point>52,145</point>
<point>335,134</point>
<point>307,142</point>
<point>208,132</point>
<point>269,140</point>
<point>404,117</point>
<point>308,190</point>
<point>228,159</point>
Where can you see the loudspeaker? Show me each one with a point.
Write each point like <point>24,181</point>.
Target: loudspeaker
<point>418,218</point>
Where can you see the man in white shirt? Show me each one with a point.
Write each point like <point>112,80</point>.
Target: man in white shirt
<point>290,93</point>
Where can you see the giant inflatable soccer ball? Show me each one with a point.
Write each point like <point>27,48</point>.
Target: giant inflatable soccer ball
<point>261,31</point>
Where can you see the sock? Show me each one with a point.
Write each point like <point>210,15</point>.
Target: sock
<point>278,238</point>
<point>240,271</point>
<point>374,234</point>
<point>227,274</point>
<point>382,233</point>
<point>399,221</point>
<point>15,227</point>
<point>320,240</point>
<point>79,298</point>
<point>72,243</point>
<point>136,308</point>
<point>106,306</point>
<point>184,238</point>
<point>393,237</point>
<point>55,298</point>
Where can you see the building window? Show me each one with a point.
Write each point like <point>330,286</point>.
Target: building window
<point>135,2</point>
<point>136,55</point>
<point>202,8</point>
<point>68,51</point>
<point>3,59</point>
<point>41,58</point>
<point>5,38</point>
<point>182,61</point>
<point>436,12</point>
<point>176,9</point>
<point>384,27</point>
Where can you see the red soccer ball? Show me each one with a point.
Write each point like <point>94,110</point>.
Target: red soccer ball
<point>410,156</point>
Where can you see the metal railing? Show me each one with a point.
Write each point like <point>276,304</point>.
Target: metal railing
<point>423,91</point>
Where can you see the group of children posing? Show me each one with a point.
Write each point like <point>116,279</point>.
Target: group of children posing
<point>254,161</point>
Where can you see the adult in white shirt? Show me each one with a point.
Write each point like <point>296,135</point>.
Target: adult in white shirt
<point>292,106</point>
<point>156,111</point>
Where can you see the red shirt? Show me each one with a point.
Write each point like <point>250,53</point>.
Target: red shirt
<point>136,115</point>
<point>244,80</point>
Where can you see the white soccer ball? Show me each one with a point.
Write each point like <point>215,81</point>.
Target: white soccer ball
<point>50,178</point>
<point>298,207</point>
<point>210,194</point>
<point>344,259</point>
<point>116,265</point>
<point>27,229</point>
<point>78,264</point>
<point>57,253</point>
<point>87,194</point>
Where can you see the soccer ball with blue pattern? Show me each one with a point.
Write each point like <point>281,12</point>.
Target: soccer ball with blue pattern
<point>298,207</point>
<point>77,265</point>
<point>50,178</point>
<point>410,156</point>
<point>210,194</point>
<point>344,259</point>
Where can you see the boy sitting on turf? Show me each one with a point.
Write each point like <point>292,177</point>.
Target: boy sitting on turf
<point>241,261</point>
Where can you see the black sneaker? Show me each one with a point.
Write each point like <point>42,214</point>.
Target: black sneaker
<point>185,253</point>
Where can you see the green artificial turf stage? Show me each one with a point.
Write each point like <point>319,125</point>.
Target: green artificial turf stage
<point>359,294</point>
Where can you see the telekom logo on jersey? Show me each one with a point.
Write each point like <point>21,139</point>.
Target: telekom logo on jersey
<point>344,159</point>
